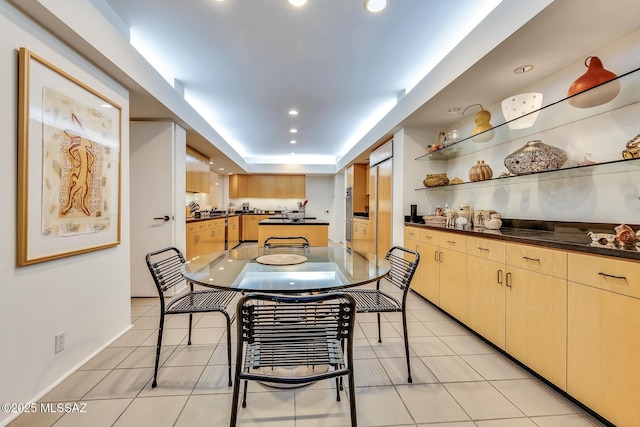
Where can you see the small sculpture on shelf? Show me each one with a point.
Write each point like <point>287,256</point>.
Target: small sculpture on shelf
<point>450,214</point>
<point>625,235</point>
<point>494,222</point>
<point>439,143</point>
<point>633,149</point>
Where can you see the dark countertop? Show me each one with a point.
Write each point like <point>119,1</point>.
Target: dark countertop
<point>217,216</point>
<point>362,215</point>
<point>289,222</point>
<point>552,234</point>
<point>283,216</point>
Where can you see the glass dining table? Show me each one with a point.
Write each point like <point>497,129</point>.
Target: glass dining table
<point>323,269</point>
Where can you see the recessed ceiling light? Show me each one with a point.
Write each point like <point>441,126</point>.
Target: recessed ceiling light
<point>523,69</point>
<point>106,106</point>
<point>454,109</point>
<point>292,153</point>
<point>297,3</point>
<point>293,130</point>
<point>375,5</point>
<point>293,141</point>
<point>293,112</point>
<point>210,163</point>
<point>221,169</point>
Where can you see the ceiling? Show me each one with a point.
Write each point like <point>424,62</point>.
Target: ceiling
<point>243,64</point>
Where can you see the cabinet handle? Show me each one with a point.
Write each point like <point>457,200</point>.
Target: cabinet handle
<point>435,256</point>
<point>197,239</point>
<point>482,249</point>
<point>427,237</point>
<point>612,276</point>
<point>531,259</point>
<point>508,283</point>
<point>440,256</point>
<point>500,276</point>
<point>451,242</point>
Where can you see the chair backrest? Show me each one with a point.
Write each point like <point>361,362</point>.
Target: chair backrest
<point>166,267</point>
<point>286,242</point>
<point>285,320</point>
<point>404,263</point>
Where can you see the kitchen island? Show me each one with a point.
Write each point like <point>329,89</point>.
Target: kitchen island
<point>316,231</point>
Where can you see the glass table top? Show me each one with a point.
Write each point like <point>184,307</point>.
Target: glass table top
<point>326,268</point>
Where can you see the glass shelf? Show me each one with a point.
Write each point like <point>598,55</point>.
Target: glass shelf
<point>631,165</point>
<point>559,113</point>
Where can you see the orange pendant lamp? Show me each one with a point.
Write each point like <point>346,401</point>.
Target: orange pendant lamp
<point>596,75</point>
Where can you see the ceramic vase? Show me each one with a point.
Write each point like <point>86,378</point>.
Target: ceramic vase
<point>520,111</point>
<point>480,171</point>
<point>596,75</point>
<point>494,222</point>
<point>464,212</point>
<point>535,156</point>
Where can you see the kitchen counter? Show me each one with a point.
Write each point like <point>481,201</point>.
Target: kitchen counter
<point>552,234</point>
<point>285,221</point>
<point>316,231</point>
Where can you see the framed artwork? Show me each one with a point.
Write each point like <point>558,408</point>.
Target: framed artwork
<point>69,144</point>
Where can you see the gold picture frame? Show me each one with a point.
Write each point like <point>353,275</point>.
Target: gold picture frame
<point>69,157</point>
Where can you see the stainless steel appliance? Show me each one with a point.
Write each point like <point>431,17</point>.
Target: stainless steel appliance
<point>348,215</point>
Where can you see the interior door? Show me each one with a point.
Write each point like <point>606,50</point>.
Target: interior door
<point>157,182</point>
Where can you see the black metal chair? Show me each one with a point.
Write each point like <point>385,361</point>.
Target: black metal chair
<point>403,264</point>
<point>276,331</point>
<point>166,266</point>
<point>274,242</point>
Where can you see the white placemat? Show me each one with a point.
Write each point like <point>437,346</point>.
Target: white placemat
<point>281,259</point>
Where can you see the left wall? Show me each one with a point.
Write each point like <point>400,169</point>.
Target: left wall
<point>87,296</point>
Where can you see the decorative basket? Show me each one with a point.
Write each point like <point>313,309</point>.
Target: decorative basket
<point>434,220</point>
<point>436,180</point>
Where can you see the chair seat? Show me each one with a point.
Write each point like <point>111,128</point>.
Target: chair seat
<point>371,300</point>
<point>200,301</point>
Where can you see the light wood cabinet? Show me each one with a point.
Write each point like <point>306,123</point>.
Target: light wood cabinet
<point>486,289</point>
<point>453,274</point>
<point>317,235</point>
<point>233,232</point>
<point>426,278</point>
<point>603,338</point>
<point>361,236</point>
<point>250,226</point>
<point>197,172</point>
<point>267,186</point>
<point>536,309</point>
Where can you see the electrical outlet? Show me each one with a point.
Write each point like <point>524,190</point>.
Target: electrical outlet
<point>59,342</point>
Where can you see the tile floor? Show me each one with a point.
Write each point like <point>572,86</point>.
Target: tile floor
<point>458,381</point>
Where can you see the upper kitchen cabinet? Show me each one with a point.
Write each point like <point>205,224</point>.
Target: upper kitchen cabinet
<point>358,180</point>
<point>197,172</point>
<point>267,186</point>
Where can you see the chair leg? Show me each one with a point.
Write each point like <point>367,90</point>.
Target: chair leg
<point>406,343</point>
<point>190,322</point>
<point>338,385</point>
<point>352,400</point>
<point>244,394</point>
<point>234,402</point>
<point>158,347</point>
<point>228,344</point>
<point>379,331</point>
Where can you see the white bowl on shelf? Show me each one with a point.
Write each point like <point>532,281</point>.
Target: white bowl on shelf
<point>520,110</point>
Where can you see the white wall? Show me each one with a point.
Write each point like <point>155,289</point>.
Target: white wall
<point>86,296</point>
<point>591,197</point>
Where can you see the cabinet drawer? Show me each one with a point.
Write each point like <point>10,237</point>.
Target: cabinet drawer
<point>429,236</point>
<point>411,233</point>
<point>192,228</point>
<point>541,260</point>
<point>614,275</point>
<point>455,242</point>
<point>486,248</point>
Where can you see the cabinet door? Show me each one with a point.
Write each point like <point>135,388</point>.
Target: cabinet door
<point>233,229</point>
<point>603,348</point>
<point>283,187</point>
<point>238,186</point>
<point>536,322</point>
<point>486,298</point>
<point>453,283</point>
<point>414,245</point>
<point>297,189</point>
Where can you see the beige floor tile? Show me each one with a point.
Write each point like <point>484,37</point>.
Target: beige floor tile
<point>152,411</point>
<point>108,358</point>
<point>455,424</point>
<point>145,357</point>
<point>174,380</point>
<point>319,408</point>
<point>207,336</point>
<point>190,355</point>
<point>451,369</point>
<point>510,422</point>
<point>467,344</point>
<point>214,379</point>
<point>429,403</point>
<point>144,301</point>
<point>381,406</point>
<point>138,311</point>
<point>566,421</point>
<point>533,398</point>
<point>495,367</point>
<point>369,372</point>
<point>133,338</point>
<point>446,327</point>
<point>169,337</point>
<point>146,322</point>
<point>425,313</point>
<point>36,419</point>
<point>273,408</point>
<point>416,329</point>
<point>220,355</point>
<point>429,346</point>
<point>180,321</point>
<point>121,383</point>
<point>396,368</point>
<point>99,413</point>
<point>206,410</point>
<point>213,320</point>
<point>74,387</point>
<point>370,330</point>
<point>482,401</point>
<point>389,347</point>
<point>362,349</point>
<point>396,317</point>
